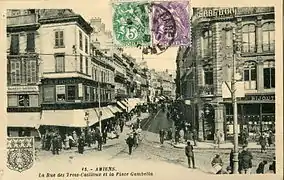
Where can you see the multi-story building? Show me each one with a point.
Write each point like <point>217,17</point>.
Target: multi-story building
<point>206,68</point>
<point>23,79</point>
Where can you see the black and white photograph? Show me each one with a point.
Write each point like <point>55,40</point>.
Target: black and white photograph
<point>91,94</point>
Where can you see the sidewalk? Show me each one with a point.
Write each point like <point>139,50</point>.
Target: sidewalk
<point>208,145</point>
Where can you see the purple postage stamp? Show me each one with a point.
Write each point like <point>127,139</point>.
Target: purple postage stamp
<point>171,23</point>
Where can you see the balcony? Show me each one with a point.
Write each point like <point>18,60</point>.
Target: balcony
<point>206,91</point>
<point>21,20</point>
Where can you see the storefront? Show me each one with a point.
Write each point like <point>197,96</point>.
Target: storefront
<point>256,113</point>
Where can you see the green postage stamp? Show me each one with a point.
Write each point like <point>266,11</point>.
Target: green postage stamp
<point>131,23</point>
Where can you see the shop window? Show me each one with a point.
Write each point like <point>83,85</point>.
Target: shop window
<point>269,74</point>
<point>24,100</point>
<point>48,94</point>
<point>59,39</point>
<point>95,94</point>
<point>59,63</point>
<point>14,46</point>
<point>250,75</point>
<point>207,43</point>
<point>91,94</point>
<point>71,92</point>
<point>268,108</point>
<point>87,93</point>
<point>60,93</point>
<point>208,74</point>
<point>15,72</point>
<point>33,100</point>
<point>248,41</point>
<point>268,37</point>
<point>12,100</point>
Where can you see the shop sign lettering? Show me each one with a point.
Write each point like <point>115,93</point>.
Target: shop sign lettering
<point>22,88</point>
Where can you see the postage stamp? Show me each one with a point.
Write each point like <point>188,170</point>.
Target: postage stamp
<point>131,23</point>
<point>171,23</point>
<point>20,153</point>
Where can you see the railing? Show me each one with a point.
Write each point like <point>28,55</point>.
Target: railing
<point>21,20</point>
<point>207,90</point>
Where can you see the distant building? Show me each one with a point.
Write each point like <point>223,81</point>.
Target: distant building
<point>206,65</point>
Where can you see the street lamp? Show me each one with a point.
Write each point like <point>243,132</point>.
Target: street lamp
<point>234,99</point>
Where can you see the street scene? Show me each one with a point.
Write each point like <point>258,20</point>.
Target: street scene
<point>75,95</point>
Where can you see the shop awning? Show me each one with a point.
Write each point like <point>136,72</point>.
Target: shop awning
<point>69,118</point>
<point>23,119</point>
<point>114,109</point>
<point>105,113</point>
<point>121,105</point>
<point>125,103</point>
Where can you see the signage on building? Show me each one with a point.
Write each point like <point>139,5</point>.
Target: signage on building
<point>22,88</point>
<point>260,98</point>
<point>213,12</point>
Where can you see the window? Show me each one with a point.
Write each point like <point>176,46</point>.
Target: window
<point>60,93</point>
<point>87,65</point>
<point>95,94</point>
<point>24,100</point>
<point>81,63</point>
<point>269,74</point>
<point>59,39</point>
<point>71,92</point>
<point>268,37</point>
<point>208,74</point>
<point>102,76</point>
<point>12,100</point>
<point>250,75</point>
<point>91,94</point>
<point>87,93</point>
<point>31,71</point>
<point>14,46</point>
<point>207,43</point>
<point>30,42</point>
<point>15,72</point>
<point>93,71</point>
<point>80,40</point>
<point>248,33</point>
<point>95,74</point>
<point>86,45</point>
<point>33,100</point>
<point>48,94</point>
<point>59,63</point>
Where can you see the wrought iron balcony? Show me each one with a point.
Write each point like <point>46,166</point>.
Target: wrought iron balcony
<point>207,90</point>
<point>21,20</point>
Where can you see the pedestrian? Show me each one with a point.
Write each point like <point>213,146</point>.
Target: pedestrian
<point>130,142</point>
<point>100,142</point>
<point>75,138</point>
<point>55,144</point>
<point>189,154</point>
<point>162,136</point>
<point>121,125</point>
<point>104,135</point>
<point>261,166</point>
<point>81,144</point>
<point>271,138</point>
<point>217,164</point>
<point>71,141</point>
<point>262,142</point>
<point>217,137</point>
<point>245,158</point>
<point>272,166</point>
<point>170,134</point>
<point>88,138</point>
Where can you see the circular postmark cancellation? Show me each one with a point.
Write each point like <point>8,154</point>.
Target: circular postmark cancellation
<point>131,23</point>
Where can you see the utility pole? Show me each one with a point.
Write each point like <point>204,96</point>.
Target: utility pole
<point>100,112</point>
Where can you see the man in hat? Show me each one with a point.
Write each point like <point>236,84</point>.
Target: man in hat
<point>162,136</point>
<point>245,161</point>
<point>189,154</point>
<point>130,142</point>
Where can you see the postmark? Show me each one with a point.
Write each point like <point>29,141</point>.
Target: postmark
<point>131,23</point>
<point>171,23</point>
<point>20,153</point>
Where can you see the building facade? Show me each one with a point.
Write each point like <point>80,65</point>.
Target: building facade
<point>205,69</point>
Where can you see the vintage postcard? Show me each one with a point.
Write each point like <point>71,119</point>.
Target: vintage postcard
<point>156,89</point>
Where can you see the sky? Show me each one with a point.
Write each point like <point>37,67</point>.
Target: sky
<point>166,60</point>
